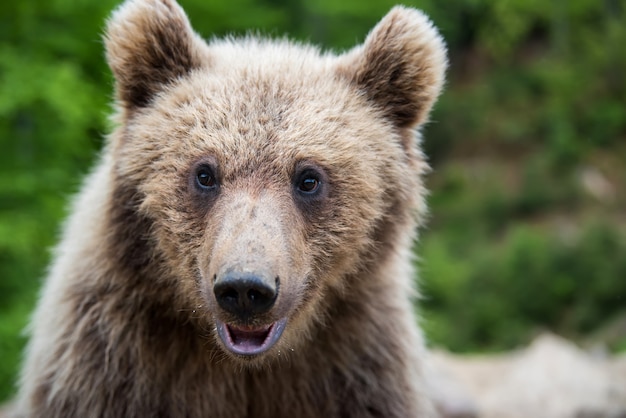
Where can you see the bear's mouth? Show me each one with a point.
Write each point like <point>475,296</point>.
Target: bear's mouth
<point>250,341</point>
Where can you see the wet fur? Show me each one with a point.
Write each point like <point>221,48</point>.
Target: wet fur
<point>125,325</point>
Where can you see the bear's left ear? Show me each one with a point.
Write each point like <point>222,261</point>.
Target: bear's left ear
<point>149,44</point>
<point>400,67</point>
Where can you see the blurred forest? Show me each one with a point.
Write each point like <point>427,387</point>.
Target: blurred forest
<point>527,144</point>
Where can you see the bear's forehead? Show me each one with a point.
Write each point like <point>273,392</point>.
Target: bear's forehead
<point>247,111</point>
<point>261,82</point>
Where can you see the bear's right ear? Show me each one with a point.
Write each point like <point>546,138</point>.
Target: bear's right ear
<point>400,68</point>
<point>150,43</point>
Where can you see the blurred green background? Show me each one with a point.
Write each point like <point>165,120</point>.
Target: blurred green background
<point>527,231</point>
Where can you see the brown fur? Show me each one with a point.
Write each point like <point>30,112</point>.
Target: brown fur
<point>126,322</point>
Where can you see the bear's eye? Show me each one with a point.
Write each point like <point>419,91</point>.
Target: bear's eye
<point>309,185</point>
<point>309,182</point>
<point>205,178</point>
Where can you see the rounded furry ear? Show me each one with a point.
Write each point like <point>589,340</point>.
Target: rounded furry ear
<point>150,43</point>
<point>400,67</point>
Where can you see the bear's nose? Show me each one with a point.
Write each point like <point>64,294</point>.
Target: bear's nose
<point>244,294</point>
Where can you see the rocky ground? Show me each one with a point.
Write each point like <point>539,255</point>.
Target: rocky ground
<point>552,378</point>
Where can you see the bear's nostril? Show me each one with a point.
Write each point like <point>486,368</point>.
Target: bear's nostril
<point>252,295</point>
<point>244,295</point>
<point>230,295</point>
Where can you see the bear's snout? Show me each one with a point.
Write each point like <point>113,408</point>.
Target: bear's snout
<point>245,295</point>
<point>248,298</point>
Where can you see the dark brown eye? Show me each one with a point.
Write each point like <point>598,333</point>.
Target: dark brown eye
<point>309,182</point>
<point>205,178</point>
<point>309,185</point>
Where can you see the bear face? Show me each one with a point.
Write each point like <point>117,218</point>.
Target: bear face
<point>259,179</point>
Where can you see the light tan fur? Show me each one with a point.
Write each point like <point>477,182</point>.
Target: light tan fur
<point>126,322</point>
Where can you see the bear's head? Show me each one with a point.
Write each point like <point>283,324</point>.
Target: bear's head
<point>262,180</point>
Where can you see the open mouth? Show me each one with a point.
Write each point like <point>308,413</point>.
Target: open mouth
<point>250,341</point>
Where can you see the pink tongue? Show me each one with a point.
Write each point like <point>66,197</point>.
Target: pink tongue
<point>248,339</point>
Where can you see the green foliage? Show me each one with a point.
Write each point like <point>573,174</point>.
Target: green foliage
<point>517,240</point>
<point>555,75</point>
<point>495,294</point>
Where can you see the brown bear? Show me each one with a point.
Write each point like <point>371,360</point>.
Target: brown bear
<point>243,247</point>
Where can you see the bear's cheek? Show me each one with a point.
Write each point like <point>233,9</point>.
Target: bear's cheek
<point>341,234</point>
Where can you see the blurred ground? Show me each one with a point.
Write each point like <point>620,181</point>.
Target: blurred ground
<point>552,378</point>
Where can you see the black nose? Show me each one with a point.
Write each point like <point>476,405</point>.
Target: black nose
<point>245,295</point>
